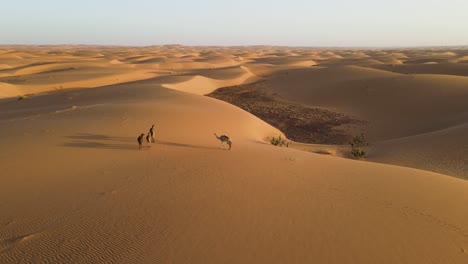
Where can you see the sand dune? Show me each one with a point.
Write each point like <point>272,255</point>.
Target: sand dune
<point>76,189</point>
<point>393,106</point>
<point>443,151</point>
<point>203,85</point>
<point>428,68</point>
<point>380,97</point>
<point>37,69</point>
<point>462,59</point>
<point>8,90</point>
<point>5,66</point>
<point>161,203</point>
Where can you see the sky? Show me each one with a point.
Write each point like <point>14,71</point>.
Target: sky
<point>337,23</point>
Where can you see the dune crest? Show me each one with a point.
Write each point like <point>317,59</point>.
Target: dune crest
<point>203,85</point>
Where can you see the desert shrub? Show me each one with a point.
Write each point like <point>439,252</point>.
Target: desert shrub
<point>358,143</point>
<point>279,141</point>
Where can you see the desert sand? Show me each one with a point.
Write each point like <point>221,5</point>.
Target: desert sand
<point>76,189</point>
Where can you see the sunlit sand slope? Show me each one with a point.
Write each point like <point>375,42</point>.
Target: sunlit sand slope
<point>75,188</point>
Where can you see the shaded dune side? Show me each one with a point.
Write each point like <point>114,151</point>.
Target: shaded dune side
<point>444,151</point>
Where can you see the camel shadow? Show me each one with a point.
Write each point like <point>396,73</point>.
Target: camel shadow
<point>183,145</point>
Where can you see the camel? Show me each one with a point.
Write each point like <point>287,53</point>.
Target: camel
<point>224,138</point>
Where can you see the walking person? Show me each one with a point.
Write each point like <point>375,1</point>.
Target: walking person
<point>152,134</point>
<point>140,141</point>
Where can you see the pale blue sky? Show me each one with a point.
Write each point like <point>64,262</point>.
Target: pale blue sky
<point>238,22</point>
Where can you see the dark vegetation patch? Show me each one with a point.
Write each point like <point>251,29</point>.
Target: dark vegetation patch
<point>299,123</point>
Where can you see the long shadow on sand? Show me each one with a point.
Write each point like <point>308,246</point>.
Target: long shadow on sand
<point>94,144</point>
<point>89,136</point>
<point>183,145</point>
<point>98,141</point>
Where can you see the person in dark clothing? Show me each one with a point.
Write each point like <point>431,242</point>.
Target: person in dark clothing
<point>151,132</point>
<point>140,141</point>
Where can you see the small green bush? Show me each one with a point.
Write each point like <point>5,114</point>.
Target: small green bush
<point>357,144</point>
<point>279,141</point>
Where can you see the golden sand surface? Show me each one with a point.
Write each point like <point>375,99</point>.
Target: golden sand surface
<point>75,188</point>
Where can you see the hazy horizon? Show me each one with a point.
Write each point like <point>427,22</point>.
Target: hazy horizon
<point>235,46</point>
<point>297,23</point>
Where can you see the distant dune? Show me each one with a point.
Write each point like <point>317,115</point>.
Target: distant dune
<point>75,188</point>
